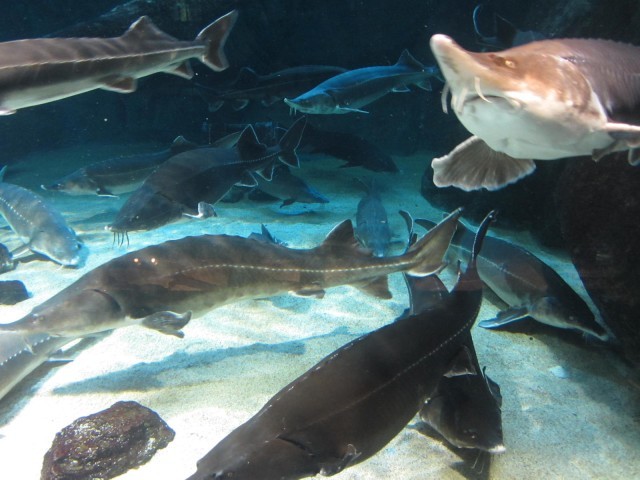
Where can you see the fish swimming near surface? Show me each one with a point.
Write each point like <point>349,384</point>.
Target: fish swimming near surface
<point>503,34</point>
<point>529,286</point>
<point>41,70</point>
<point>354,401</point>
<point>372,224</point>
<point>544,100</point>
<point>350,91</point>
<point>267,89</point>
<point>162,286</point>
<point>288,187</point>
<point>114,176</point>
<point>40,227</point>
<point>190,182</point>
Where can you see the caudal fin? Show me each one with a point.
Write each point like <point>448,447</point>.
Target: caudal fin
<point>290,141</point>
<point>431,248</point>
<point>214,37</point>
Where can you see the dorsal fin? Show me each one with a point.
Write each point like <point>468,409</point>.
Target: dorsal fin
<point>249,146</point>
<point>342,235</point>
<point>145,28</point>
<point>409,60</point>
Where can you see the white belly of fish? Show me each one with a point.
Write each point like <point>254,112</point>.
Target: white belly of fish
<point>538,130</point>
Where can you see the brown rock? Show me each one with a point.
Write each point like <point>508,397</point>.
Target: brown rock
<point>106,444</point>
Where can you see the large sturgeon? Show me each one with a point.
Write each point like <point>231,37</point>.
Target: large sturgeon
<point>42,70</point>
<point>544,100</point>
<point>162,285</point>
<point>353,402</point>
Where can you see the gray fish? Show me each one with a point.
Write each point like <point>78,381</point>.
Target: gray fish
<point>529,286</point>
<point>354,401</point>
<point>117,175</point>
<point>40,227</point>
<point>352,90</point>
<point>372,224</point>
<point>267,89</point>
<point>504,34</point>
<point>42,70</point>
<point>189,181</point>
<point>289,188</point>
<point>204,272</point>
<point>544,100</point>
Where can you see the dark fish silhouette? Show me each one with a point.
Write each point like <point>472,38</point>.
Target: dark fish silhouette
<point>350,91</point>
<point>529,286</point>
<point>543,100</point>
<point>42,70</point>
<point>267,89</point>
<point>503,34</point>
<point>7,263</point>
<point>354,150</point>
<point>188,183</point>
<point>160,286</point>
<point>372,224</point>
<point>289,188</point>
<point>352,403</point>
<point>117,175</point>
<point>41,228</point>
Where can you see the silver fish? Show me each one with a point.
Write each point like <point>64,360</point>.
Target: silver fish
<point>42,70</point>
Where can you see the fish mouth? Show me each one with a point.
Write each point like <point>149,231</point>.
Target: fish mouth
<point>470,77</point>
<point>296,107</point>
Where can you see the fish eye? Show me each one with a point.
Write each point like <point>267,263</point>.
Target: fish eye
<point>471,432</point>
<point>502,61</point>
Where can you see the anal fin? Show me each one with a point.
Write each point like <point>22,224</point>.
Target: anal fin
<point>120,85</point>
<point>473,165</point>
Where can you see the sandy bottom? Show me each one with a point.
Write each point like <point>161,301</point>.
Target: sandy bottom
<point>235,358</point>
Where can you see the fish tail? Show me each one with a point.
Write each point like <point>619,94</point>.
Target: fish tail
<point>214,37</point>
<point>290,141</point>
<point>428,252</point>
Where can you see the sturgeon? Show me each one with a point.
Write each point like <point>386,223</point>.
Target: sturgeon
<point>113,176</point>
<point>161,286</point>
<point>41,228</point>
<point>42,70</point>
<point>544,100</point>
<point>350,91</point>
<point>528,285</point>
<point>354,401</point>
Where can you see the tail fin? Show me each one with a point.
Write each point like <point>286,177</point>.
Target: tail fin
<point>214,37</point>
<point>290,141</point>
<point>430,249</point>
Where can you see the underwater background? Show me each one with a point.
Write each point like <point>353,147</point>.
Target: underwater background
<point>569,404</point>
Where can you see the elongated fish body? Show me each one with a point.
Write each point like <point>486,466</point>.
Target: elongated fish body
<point>267,89</point>
<point>37,71</point>
<point>544,100</point>
<point>353,402</point>
<point>204,175</point>
<point>529,286</point>
<point>350,91</point>
<point>196,274</point>
<point>19,356</point>
<point>117,175</point>
<point>372,224</point>
<point>289,188</point>
<point>40,227</point>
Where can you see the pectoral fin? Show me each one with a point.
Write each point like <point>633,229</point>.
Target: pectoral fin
<point>505,317</point>
<point>166,322</point>
<point>462,364</point>
<point>473,165</point>
<point>349,458</point>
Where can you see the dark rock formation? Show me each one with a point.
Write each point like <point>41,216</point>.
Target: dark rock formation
<point>599,208</point>
<point>106,444</point>
<point>12,292</point>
